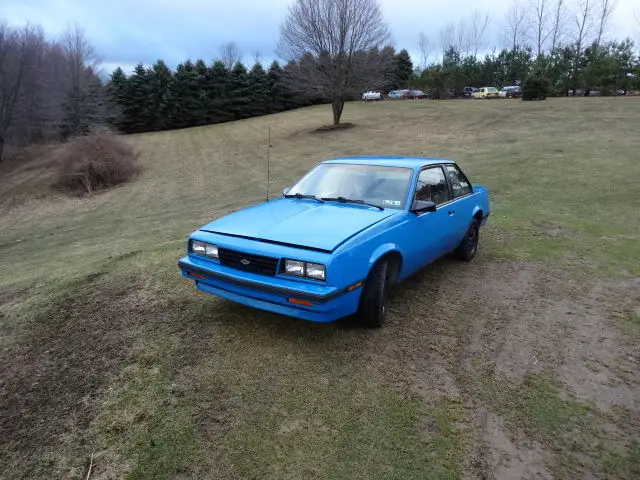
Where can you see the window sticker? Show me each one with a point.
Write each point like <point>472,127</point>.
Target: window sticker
<point>389,202</point>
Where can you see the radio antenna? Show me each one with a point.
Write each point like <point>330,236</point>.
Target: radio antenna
<point>268,161</point>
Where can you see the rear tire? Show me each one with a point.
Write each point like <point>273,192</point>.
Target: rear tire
<point>373,302</point>
<point>469,245</point>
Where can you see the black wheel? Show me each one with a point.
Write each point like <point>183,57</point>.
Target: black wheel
<point>469,245</point>
<point>373,302</point>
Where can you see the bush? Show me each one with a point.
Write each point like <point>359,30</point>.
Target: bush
<point>535,87</point>
<point>96,161</point>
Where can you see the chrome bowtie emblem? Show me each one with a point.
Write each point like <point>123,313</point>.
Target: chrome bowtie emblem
<point>244,261</point>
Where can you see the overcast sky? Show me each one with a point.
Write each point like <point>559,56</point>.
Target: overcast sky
<point>126,32</point>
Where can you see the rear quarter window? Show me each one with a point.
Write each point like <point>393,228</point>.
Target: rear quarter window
<point>459,183</point>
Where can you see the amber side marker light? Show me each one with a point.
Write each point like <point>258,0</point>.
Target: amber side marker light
<point>196,275</point>
<point>297,301</point>
<point>354,286</point>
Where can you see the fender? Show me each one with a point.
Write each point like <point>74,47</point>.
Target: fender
<point>477,209</point>
<point>381,251</point>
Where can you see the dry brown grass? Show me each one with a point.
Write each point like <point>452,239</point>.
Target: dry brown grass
<point>93,162</point>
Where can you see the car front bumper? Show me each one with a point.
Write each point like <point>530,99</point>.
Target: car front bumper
<point>272,294</point>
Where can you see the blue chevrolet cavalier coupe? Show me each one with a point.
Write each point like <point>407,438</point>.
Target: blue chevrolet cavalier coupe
<point>340,237</point>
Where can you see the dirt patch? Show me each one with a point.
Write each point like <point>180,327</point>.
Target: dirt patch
<point>333,128</point>
<point>50,380</point>
<point>530,318</point>
<point>551,229</point>
<point>510,320</point>
<point>510,458</point>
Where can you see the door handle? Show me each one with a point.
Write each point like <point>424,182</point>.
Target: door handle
<point>451,212</point>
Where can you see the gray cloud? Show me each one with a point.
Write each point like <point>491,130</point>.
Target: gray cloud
<point>128,32</point>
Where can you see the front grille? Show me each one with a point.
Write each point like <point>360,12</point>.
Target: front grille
<point>248,262</point>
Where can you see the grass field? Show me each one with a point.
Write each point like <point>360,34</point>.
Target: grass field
<point>524,363</point>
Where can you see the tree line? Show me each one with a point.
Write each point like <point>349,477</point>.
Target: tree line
<point>48,87</point>
<point>610,68</point>
<point>562,42</point>
<point>159,98</point>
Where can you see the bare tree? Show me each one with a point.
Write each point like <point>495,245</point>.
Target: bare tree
<point>229,54</point>
<point>539,23</point>
<point>425,47</point>
<point>20,52</point>
<point>448,36</point>
<point>606,9</point>
<point>478,28</point>
<point>329,40</point>
<point>557,24</point>
<point>82,105</point>
<point>516,24</point>
<point>456,36</point>
<point>583,25</point>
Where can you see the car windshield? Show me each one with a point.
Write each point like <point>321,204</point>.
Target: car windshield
<point>379,185</point>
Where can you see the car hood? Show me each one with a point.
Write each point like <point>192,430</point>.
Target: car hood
<point>301,223</point>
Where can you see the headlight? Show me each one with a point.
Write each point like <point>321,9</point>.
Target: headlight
<point>205,249</point>
<point>211,251</point>
<point>298,268</point>
<point>294,267</point>
<point>315,270</point>
<point>198,247</point>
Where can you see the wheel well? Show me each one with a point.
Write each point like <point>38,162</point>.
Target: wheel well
<point>395,264</point>
<point>478,216</point>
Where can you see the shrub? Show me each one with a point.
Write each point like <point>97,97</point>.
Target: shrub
<point>535,87</point>
<point>96,161</point>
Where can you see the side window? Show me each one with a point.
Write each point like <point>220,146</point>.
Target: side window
<point>459,182</point>
<point>432,186</point>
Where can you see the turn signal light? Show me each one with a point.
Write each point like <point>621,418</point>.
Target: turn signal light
<point>297,301</point>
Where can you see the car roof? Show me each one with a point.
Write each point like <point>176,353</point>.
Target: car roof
<point>390,161</point>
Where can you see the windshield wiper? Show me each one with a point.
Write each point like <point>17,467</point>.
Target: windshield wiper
<point>351,200</point>
<point>300,195</point>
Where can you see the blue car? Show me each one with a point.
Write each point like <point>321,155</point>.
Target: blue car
<point>340,238</point>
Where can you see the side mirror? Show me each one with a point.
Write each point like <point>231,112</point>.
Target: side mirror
<point>419,206</point>
<point>286,190</point>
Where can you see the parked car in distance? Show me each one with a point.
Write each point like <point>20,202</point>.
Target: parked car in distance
<point>368,96</point>
<point>416,94</point>
<point>486,92</point>
<point>468,91</point>
<point>339,238</point>
<point>398,93</point>
<point>513,91</point>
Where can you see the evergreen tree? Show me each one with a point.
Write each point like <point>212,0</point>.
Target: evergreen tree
<point>258,91</point>
<point>240,92</point>
<point>275,88</point>
<point>219,93</point>
<point>161,107</point>
<point>138,98</point>
<point>404,69</point>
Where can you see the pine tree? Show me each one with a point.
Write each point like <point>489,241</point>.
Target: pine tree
<point>275,88</point>
<point>404,69</point>
<point>161,107</point>
<point>258,91</point>
<point>219,85</point>
<point>239,92</point>
<point>138,98</point>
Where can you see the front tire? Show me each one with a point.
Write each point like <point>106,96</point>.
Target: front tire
<point>469,245</point>
<point>373,302</point>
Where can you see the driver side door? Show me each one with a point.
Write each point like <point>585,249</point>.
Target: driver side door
<point>430,232</point>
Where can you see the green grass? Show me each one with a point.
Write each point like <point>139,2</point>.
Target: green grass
<point>211,389</point>
<point>630,325</point>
